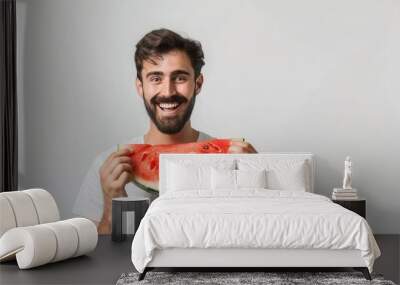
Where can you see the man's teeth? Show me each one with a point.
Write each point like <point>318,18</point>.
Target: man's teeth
<point>168,105</point>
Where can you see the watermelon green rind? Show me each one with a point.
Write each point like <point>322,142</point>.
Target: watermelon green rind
<point>145,188</point>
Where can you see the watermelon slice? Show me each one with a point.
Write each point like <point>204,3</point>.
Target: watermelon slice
<point>145,159</point>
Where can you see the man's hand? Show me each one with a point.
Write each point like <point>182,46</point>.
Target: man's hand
<point>241,147</point>
<point>115,173</point>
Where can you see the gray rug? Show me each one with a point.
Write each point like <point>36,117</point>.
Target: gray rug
<point>229,278</point>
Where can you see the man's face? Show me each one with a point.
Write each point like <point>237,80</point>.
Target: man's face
<point>169,90</point>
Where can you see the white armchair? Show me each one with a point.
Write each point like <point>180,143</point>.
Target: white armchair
<point>31,230</point>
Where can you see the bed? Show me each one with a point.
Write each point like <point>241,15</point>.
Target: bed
<point>245,211</point>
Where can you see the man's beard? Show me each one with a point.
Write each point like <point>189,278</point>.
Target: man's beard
<point>169,125</point>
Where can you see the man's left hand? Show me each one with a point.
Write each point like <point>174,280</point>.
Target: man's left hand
<point>241,147</point>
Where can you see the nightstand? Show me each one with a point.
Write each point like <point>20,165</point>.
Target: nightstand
<point>125,207</point>
<point>358,206</point>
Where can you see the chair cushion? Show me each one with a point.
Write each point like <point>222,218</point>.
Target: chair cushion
<point>24,211</point>
<point>40,244</point>
<point>27,208</point>
<point>45,205</point>
<point>7,216</point>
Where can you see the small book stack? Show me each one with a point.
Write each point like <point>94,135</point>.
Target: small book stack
<point>344,194</point>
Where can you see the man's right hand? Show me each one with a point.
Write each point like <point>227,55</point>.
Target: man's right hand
<point>115,173</point>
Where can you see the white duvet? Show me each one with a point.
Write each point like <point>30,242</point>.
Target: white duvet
<point>251,218</point>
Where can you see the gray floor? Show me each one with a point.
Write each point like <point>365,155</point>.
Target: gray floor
<point>103,266</point>
<point>110,260</point>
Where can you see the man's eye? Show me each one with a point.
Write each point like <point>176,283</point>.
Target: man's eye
<point>155,79</point>
<point>180,78</point>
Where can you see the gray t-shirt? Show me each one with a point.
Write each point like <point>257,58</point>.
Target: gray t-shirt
<point>89,202</point>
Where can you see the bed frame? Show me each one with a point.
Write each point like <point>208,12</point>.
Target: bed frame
<point>243,259</point>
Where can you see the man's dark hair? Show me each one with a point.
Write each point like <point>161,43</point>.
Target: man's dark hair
<point>158,42</point>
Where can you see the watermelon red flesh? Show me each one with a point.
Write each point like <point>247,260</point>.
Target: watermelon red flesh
<point>145,159</point>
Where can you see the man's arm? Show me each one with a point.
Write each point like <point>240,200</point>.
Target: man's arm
<point>115,173</point>
<point>105,179</point>
<point>104,226</point>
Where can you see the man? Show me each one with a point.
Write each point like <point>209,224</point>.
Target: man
<point>168,79</point>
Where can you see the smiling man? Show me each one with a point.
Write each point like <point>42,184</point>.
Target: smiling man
<point>168,79</point>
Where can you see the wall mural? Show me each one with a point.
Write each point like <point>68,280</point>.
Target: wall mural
<point>168,80</point>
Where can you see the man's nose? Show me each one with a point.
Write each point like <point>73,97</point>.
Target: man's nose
<point>168,88</point>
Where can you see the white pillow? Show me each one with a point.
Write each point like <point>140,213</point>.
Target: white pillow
<point>184,175</point>
<point>237,179</point>
<point>251,178</point>
<point>223,178</point>
<point>282,174</point>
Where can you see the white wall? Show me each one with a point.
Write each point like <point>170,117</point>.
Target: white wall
<point>318,76</point>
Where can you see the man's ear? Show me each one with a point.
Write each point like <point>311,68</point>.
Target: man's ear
<point>199,83</point>
<point>139,87</point>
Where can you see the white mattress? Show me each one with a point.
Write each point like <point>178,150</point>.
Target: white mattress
<point>250,218</point>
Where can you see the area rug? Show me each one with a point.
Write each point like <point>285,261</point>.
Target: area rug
<point>243,278</point>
